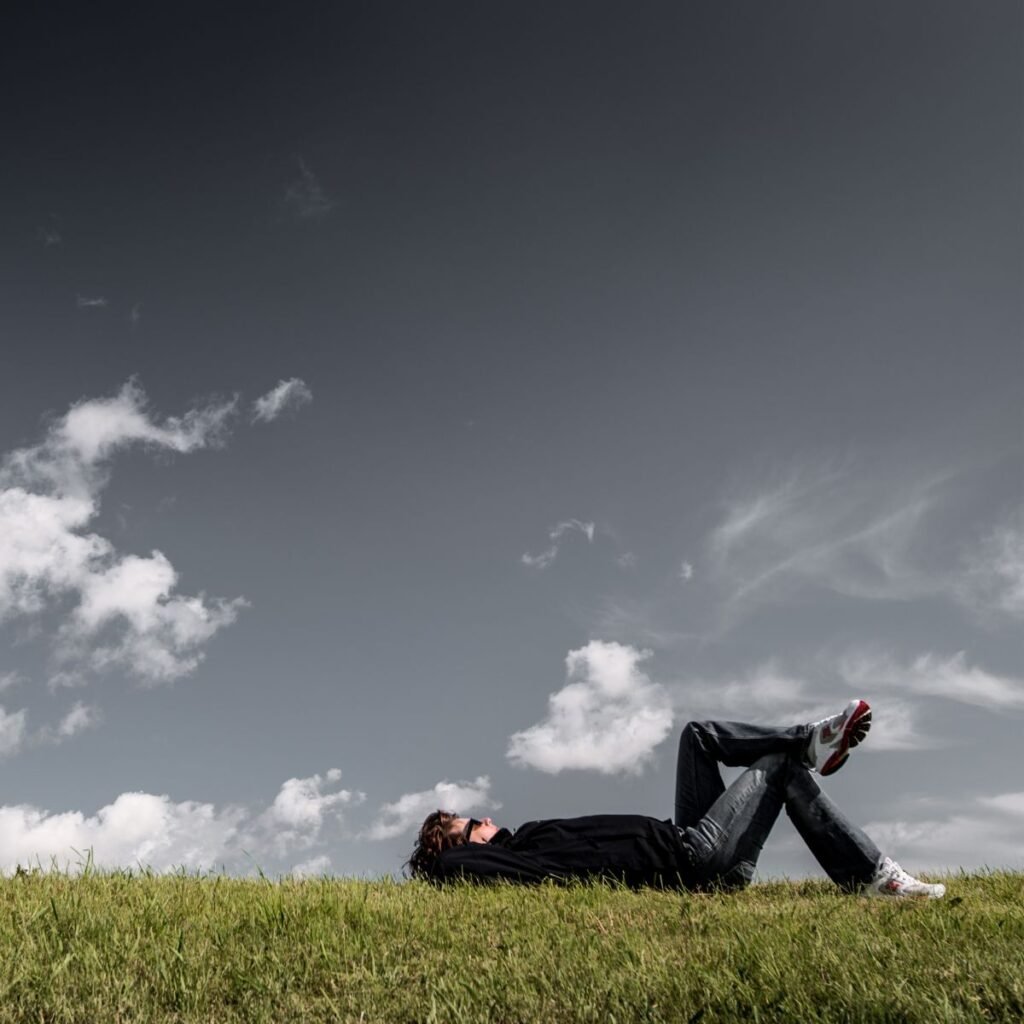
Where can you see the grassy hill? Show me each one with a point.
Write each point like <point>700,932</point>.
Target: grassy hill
<point>120,947</point>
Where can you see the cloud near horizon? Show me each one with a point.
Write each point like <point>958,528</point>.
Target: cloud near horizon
<point>407,812</point>
<point>608,718</point>
<point>146,830</point>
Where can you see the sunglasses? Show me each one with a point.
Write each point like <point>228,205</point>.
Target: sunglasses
<point>468,830</point>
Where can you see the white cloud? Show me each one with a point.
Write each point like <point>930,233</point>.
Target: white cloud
<point>90,301</point>
<point>8,680</point>
<point>1007,803</point>
<point>136,829</point>
<point>288,395</point>
<point>81,716</point>
<point>296,816</point>
<point>305,197</point>
<point>12,730</point>
<point>549,554</point>
<point>686,572</point>
<point>827,529</point>
<point>312,868</point>
<point>409,810</point>
<point>124,612</point>
<point>930,675</point>
<point>145,829</point>
<point>608,718</point>
<point>993,578</point>
<point>986,833</point>
<point>769,694</point>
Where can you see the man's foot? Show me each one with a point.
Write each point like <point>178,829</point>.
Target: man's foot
<point>891,880</point>
<point>832,738</point>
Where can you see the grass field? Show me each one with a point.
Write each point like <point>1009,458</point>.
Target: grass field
<point>120,947</point>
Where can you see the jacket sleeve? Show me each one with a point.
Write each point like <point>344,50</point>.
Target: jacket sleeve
<point>477,862</point>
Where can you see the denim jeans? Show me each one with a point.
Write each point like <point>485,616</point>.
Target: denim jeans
<point>725,829</point>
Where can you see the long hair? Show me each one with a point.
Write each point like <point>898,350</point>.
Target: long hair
<point>435,835</point>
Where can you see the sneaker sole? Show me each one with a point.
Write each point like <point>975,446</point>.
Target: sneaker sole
<point>854,731</point>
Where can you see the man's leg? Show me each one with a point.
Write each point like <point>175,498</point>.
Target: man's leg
<point>703,746</point>
<point>847,854</point>
<point>728,839</point>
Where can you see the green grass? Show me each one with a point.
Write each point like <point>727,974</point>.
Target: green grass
<point>116,947</point>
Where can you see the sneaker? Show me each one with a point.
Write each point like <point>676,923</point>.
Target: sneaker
<point>891,880</point>
<point>832,738</point>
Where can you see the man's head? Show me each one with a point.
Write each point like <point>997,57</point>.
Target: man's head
<point>442,830</point>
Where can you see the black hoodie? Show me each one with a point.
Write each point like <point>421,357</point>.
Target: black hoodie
<point>628,848</point>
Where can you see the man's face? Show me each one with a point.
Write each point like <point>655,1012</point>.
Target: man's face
<point>483,831</point>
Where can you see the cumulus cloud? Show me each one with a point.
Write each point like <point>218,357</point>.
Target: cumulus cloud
<point>305,197</point>
<point>555,535</point>
<point>312,868</point>
<point>932,675</point>
<point>288,395</point>
<point>608,718</point>
<point>295,818</point>
<point>8,680</point>
<point>154,831</point>
<point>409,810</point>
<point>686,571</point>
<point>124,609</point>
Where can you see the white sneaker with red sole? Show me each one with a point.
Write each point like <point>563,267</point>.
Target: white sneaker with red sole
<point>832,738</point>
<point>891,880</point>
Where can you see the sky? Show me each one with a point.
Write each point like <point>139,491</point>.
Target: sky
<point>437,405</point>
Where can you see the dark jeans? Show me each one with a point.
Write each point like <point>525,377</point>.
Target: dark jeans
<point>725,829</point>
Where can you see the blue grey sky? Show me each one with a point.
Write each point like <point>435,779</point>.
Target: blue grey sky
<point>416,405</point>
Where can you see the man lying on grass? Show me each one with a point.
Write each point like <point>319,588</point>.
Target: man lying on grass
<point>717,834</point>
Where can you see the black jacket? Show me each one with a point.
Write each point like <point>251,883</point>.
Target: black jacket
<point>628,848</point>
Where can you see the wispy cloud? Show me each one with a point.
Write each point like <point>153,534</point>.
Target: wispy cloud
<point>49,235</point>
<point>12,730</point>
<point>932,675</point>
<point>125,612</point>
<point>772,694</point>
<point>80,717</point>
<point>826,529</point>
<point>305,197</point>
<point>608,718</point>
<point>287,396</point>
<point>135,314</point>
<point>90,301</point>
<point>686,571</point>
<point>984,832</point>
<point>549,554</point>
<point>8,680</point>
<point>408,811</point>
<point>993,579</point>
